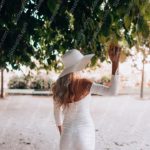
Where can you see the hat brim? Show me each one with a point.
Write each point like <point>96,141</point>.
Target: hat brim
<point>78,66</point>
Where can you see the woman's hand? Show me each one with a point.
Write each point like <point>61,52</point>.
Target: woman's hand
<point>60,129</point>
<point>114,55</point>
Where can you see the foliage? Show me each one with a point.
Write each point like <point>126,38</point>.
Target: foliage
<point>17,24</point>
<point>29,32</point>
<point>41,83</point>
<point>17,82</point>
<point>90,26</point>
<point>105,79</point>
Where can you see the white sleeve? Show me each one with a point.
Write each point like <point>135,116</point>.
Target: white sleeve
<point>58,114</point>
<point>100,89</point>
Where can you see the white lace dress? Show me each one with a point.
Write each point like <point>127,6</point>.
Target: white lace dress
<point>78,127</point>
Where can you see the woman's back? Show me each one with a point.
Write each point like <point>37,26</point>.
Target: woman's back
<point>78,127</point>
<point>78,113</point>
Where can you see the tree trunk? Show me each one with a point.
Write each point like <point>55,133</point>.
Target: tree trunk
<point>142,81</point>
<point>2,83</point>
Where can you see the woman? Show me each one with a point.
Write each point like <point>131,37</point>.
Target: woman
<point>72,96</point>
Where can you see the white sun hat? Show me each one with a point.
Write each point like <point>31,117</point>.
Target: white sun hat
<point>74,61</point>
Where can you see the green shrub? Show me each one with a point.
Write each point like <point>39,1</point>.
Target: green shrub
<point>41,83</point>
<point>17,82</point>
<point>105,79</point>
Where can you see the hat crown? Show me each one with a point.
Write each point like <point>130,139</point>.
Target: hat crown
<point>71,57</point>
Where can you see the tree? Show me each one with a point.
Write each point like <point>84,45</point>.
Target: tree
<point>44,30</point>
<point>139,55</point>
<point>60,25</point>
<point>92,26</point>
<point>18,22</point>
<point>2,86</point>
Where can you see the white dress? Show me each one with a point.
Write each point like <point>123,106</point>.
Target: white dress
<point>78,127</point>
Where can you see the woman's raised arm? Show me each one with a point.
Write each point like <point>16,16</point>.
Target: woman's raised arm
<point>114,54</point>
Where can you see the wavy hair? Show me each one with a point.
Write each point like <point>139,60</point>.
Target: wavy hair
<point>70,88</point>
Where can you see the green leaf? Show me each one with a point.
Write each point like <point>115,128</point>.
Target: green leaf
<point>106,25</point>
<point>127,21</point>
<point>52,4</point>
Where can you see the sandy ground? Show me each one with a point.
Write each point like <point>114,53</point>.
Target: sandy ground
<point>122,123</point>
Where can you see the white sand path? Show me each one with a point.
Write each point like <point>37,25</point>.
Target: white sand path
<point>27,123</point>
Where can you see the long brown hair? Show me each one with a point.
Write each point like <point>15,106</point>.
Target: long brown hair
<point>70,88</point>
